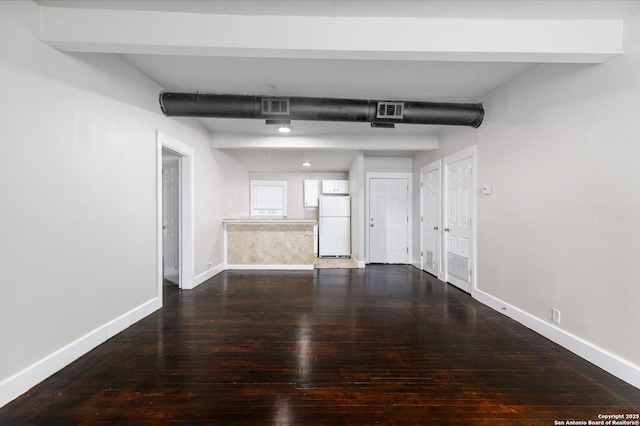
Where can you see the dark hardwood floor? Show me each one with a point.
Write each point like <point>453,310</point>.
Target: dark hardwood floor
<point>384,345</point>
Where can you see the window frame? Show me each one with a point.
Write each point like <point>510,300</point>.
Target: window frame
<point>255,186</point>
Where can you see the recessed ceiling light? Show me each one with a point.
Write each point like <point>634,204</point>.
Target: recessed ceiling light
<point>284,126</point>
<point>306,164</point>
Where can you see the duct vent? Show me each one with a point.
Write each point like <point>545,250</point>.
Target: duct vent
<point>275,106</point>
<point>390,110</point>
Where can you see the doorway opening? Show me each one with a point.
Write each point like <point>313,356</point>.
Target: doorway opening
<point>175,232</point>
<point>170,217</point>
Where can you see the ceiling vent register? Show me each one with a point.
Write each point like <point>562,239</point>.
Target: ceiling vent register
<point>392,110</point>
<point>275,106</point>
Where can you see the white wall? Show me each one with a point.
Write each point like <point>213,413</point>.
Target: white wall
<point>221,185</point>
<point>295,193</point>
<point>78,156</point>
<point>357,185</point>
<point>387,164</point>
<point>560,147</point>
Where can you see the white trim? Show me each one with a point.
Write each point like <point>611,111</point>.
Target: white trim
<point>225,247</point>
<point>609,362</point>
<point>435,165</point>
<point>270,267</point>
<point>186,262</point>
<point>19,383</point>
<point>390,175</point>
<point>199,279</point>
<point>360,263</point>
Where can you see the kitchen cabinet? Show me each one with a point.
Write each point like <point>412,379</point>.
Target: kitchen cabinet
<point>335,187</point>
<point>311,193</point>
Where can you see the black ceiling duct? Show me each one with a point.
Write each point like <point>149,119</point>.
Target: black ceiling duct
<point>178,104</point>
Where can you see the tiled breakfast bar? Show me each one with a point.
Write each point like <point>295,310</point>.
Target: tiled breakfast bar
<point>269,243</point>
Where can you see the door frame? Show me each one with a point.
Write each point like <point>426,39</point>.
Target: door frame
<point>389,175</point>
<point>186,211</point>
<point>436,165</point>
<point>453,158</point>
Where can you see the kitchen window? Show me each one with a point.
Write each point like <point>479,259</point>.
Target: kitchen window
<point>269,198</point>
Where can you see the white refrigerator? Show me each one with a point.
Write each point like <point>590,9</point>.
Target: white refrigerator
<point>335,226</point>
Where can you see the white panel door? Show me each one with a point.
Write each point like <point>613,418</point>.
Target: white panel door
<point>170,221</point>
<point>388,220</point>
<point>430,221</point>
<point>458,230</point>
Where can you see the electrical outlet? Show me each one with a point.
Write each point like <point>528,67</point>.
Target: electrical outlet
<point>209,264</point>
<point>555,315</point>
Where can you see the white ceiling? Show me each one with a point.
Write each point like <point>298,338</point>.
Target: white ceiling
<point>337,75</point>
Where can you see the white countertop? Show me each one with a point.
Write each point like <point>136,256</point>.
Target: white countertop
<point>264,221</point>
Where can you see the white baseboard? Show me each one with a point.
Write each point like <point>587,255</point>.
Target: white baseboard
<point>416,264</point>
<point>270,267</point>
<point>207,275</point>
<point>609,362</point>
<point>359,263</point>
<point>19,383</point>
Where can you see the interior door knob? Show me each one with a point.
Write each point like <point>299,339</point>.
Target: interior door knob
<point>372,225</point>
<point>435,228</point>
<point>446,229</point>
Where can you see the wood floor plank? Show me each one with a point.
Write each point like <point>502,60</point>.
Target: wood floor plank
<point>383,345</point>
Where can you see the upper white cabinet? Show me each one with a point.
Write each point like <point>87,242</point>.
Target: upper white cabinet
<point>311,192</point>
<point>335,186</point>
